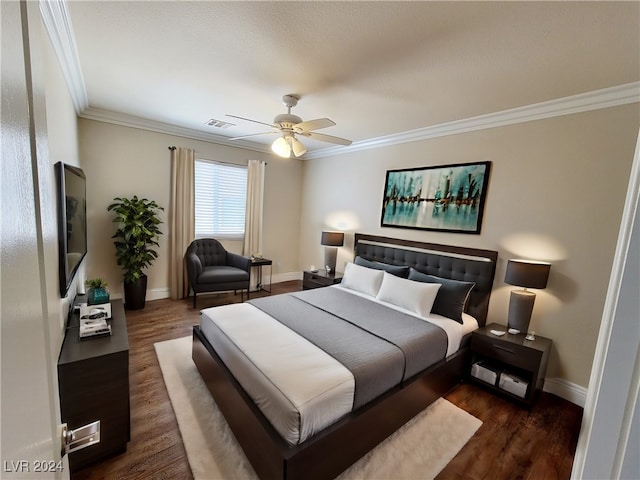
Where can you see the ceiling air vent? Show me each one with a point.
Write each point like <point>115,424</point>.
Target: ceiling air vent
<point>219,123</point>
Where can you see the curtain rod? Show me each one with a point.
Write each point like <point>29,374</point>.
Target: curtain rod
<point>173,147</point>
<point>228,163</point>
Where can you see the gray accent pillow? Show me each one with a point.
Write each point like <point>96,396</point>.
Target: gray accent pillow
<point>397,270</point>
<point>452,296</point>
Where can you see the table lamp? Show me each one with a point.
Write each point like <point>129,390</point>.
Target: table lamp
<point>331,241</point>
<point>526,274</point>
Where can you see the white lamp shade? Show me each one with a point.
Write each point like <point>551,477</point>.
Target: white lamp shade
<point>297,147</point>
<point>281,148</point>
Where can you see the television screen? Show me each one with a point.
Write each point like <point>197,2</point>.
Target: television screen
<point>72,222</point>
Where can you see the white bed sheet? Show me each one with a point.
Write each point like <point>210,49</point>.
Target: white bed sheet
<point>298,387</point>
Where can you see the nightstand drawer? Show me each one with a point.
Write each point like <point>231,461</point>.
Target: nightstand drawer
<point>507,352</point>
<point>313,283</point>
<point>318,278</point>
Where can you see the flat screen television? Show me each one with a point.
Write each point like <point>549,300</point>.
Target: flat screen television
<point>72,222</point>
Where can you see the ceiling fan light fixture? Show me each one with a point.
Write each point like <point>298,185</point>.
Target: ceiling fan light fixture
<point>288,125</point>
<point>281,148</point>
<point>297,147</point>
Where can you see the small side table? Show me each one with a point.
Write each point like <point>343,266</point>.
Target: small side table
<point>511,355</point>
<point>320,279</point>
<point>260,263</point>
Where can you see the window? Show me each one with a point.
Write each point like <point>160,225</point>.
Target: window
<point>220,199</point>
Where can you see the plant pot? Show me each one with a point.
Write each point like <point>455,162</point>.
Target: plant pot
<point>135,294</point>
<point>96,296</point>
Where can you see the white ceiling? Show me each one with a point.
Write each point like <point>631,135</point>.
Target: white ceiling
<point>375,68</point>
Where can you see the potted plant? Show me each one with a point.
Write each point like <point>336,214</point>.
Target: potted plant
<point>97,291</point>
<point>136,237</point>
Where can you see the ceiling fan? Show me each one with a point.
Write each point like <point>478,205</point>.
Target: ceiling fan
<point>288,126</point>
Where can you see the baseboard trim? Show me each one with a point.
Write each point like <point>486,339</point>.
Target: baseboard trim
<point>287,277</point>
<point>158,293</point>
<point>567,390</point>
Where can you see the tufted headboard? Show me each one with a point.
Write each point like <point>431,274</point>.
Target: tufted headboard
<point>457,263</point>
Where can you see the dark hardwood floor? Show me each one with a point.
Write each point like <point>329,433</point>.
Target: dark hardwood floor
<point>512,443</point>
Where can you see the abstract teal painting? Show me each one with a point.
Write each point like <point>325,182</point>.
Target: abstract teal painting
<point>445,197</point>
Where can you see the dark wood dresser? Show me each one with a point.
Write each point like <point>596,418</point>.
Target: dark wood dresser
<point>93,379</point>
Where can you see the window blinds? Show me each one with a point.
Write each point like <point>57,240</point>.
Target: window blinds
<point>220,199</point>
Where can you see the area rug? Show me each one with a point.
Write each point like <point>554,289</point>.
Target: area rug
<point>419,450</point>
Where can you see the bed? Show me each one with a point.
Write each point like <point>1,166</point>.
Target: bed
<point>347,410</point>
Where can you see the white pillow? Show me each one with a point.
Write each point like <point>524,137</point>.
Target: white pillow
<point>415,296</point>
<point>362,279</point>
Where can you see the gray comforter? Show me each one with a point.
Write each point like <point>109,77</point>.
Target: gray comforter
<point>379,345</point>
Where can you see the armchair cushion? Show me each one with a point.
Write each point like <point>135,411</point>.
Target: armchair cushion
<point>222,274</point>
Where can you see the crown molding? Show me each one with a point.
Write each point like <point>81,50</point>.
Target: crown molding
<point>583,102</point>
<point>58,24</point>
<point>125,120</point>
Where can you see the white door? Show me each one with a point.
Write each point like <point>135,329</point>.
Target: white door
<point>30,446</point>
<point>609,441</point>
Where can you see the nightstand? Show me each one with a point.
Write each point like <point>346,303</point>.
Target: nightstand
<point>259,263</point>
<point>509,364</point>
<point>320,279</point>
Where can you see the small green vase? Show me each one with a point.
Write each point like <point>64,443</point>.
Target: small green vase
<point>97,296</point>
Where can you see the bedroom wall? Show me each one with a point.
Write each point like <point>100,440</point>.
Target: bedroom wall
<point>124,161</point>
<point>556,192</point>
<point>62,140</point>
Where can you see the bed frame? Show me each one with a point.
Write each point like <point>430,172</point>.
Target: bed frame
<point>333,450</point>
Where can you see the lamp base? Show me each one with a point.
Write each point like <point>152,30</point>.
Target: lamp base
<point>330,257</point>
<point>520,308</point>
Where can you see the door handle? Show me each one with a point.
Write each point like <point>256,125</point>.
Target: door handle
<point>79,438</point>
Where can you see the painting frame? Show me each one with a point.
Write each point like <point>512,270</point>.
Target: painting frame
<point>441,198</point>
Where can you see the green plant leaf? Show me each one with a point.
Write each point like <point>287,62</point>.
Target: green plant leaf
<point>136,235</point>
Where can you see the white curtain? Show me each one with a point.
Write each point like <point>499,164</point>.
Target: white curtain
<point>253,217</point>
<point>181,218</point>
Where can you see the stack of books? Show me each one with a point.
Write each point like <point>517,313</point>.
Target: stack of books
<point>93,321</point>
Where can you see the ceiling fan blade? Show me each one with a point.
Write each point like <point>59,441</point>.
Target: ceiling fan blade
<point>252,135</point>
<point>327,138</point>
<point>249,120</point>
<point>316,124</point>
